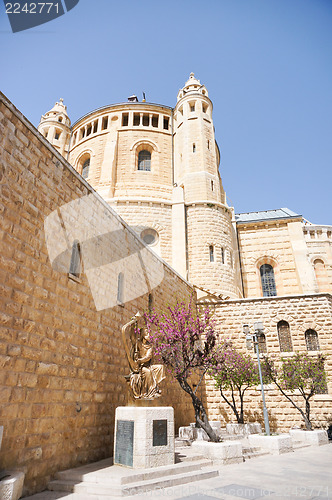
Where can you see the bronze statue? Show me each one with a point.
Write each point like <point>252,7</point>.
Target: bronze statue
<point>145,377</point>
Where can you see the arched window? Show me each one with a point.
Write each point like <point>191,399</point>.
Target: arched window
<point>75,261</point>
<point>261,342</point>
<point>311,340</point>
<point>144,160</point>
<point>120,289</point>
<point>86,168</point>
<point>268,280</point>
<point>285,339</point>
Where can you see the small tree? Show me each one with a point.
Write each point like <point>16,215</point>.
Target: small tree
<point>234,372</point>
<point>183,341</point>
<point>300,372</point>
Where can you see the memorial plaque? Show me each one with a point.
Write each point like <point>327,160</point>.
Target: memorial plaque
<point>124,442</point>
<point>159,433</point>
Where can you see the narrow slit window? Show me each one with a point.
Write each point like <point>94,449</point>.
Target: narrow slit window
<point>120,293</point>
<point>105,123</point>
<point>212,186</point>
<point>222,255</point>
<point>150,304</point>
<point>211,253</point>
<point>75,261</point>
<point>208,144</point>
<point>194,148</point>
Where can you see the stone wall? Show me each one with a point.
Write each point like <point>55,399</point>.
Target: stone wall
<point>61,355</point>
<point>302,313</point>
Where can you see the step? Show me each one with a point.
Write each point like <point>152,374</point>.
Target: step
<point>124,475</point>
<point>132,488</point>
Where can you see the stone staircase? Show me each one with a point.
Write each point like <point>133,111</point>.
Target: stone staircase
<point>104,479</point>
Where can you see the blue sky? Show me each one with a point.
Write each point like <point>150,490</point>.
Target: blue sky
<point>267,65</point>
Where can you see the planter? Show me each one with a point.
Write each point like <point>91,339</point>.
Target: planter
<point>11,486</point>
<point>228,452</point>
<point>244,429</point>
<point>276,445</point>
<point>313,438</point>
<point>192,433</point>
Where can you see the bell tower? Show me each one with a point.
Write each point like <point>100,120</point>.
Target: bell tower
<point>55,127</point>
<point>199,200</point>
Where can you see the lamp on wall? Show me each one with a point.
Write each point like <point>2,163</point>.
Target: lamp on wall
<point>252,339</point>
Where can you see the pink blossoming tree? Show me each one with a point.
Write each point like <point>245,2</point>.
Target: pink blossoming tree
<point>234,372</point>
<point>301,373</point>
<point>183,341</point>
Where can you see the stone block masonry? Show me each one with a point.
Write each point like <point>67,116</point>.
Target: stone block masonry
<point>62,363</point>
<point>302,312</point>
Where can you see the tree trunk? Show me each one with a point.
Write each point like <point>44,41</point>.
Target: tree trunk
<point>307,415</point>
<point>200,413</point>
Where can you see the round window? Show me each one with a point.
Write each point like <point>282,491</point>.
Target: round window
<point>149,236</point>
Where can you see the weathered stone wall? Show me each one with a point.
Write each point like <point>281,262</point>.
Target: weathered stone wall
<point>61,355</point>
<point>302,313</point>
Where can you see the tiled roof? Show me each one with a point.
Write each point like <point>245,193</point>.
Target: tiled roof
<point>279,213</point>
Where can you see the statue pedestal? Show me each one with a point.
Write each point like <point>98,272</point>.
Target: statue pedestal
<point>144,436</point>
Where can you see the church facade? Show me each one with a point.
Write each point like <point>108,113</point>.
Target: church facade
<point>158,167</point>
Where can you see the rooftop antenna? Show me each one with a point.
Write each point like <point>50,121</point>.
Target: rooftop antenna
<point>144,100</point>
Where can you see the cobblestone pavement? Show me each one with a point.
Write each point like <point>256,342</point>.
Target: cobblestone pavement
<point>305,474</point>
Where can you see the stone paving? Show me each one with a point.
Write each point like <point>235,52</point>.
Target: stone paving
<point>304,474</point>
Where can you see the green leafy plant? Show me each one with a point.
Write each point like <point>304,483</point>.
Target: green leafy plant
<point>234,372</point>
<point>301,373</point>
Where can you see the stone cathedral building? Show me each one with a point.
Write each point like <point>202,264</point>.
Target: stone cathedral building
<point>155,170</point>
<point>158,167</point>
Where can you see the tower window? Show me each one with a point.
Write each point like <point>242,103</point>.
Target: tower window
<point>208,144</point>
<point>192,107</point>
<point>311,340</point>
<point>86,168</point>
<point>166,123</point>
<point>222,255</point>
<point>268,280</point>
<point>211,253</point>
<point>125,119</point>
<point>95,127</point>
<point>194,148</point>
<point>155,120</point>
<point>137,119</point>
<point>211,185</point>
<point>89,130</point>
<point>57,134</point>
<point>144,160</point>
<point>204,108</point>
<point>60,119</point>
<point>146,120</point>
<point>75,261</point>
<point>105,123</point>
<point>285,339</point>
